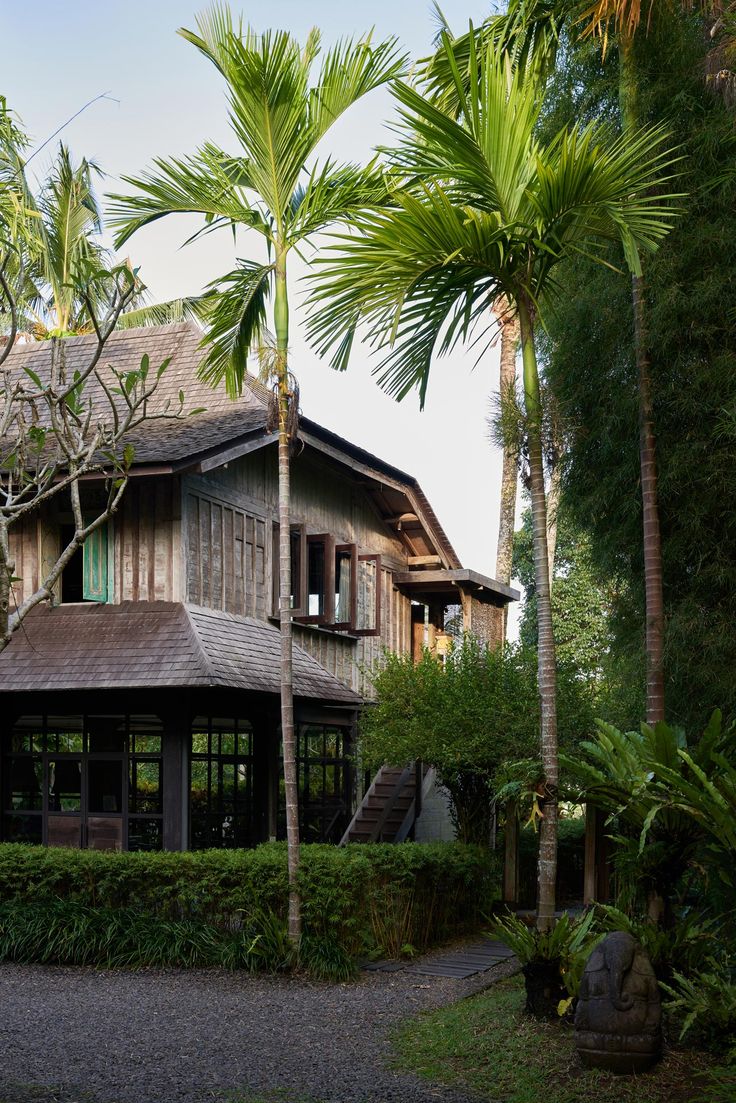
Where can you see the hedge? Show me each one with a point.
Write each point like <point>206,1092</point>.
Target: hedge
<point>367,900</point>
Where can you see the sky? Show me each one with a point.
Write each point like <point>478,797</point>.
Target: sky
<point>163,98</point>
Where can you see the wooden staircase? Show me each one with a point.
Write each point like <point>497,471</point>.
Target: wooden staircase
<point>390,808</point>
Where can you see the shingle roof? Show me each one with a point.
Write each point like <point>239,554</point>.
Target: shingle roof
<point>155,644</point>
<point>224,423</point>
<point>167,440</point>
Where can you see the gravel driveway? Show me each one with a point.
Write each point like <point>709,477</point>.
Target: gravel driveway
<point>81,1036</point>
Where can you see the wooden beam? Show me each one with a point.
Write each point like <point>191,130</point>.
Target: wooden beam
<point>424,561</point>
<point>402,519</point>
<point>511,855</point>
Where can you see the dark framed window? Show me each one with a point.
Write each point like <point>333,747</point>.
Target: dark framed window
<point>221,783</point>
<point>331,584</point>
<point>324,779</point>
<point>93,780</point>
<point>346,586</point>
<point>298,545</point>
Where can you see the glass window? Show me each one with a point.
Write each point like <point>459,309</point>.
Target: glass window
<point>316,577</point>
<point>65,785</point>
<point>221,783</point>
<point>368,597</point>
<point>345,585</point>
<point>106,734</point>
<point>23,829</point>
<point>324,782</point>
<point>24,785</point>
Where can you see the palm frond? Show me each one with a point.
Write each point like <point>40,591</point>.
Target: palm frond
<point>349,71</point>
<point>195,308</point>
<point>333,194</point>
<point>202,184</point>
<point>418,275</point>
<point>237,323</point>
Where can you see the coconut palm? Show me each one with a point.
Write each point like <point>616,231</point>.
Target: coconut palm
<point>62,225</point>
<point>54,243</point>
<point>279,114</point>
<point>488,212</point>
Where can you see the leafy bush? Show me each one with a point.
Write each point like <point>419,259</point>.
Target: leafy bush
<point>568,944</point>
<point>466,717</point>
<point>675,804</point>
<point>366,900</point>
<point>684,947</point>
<point>706,1000</point>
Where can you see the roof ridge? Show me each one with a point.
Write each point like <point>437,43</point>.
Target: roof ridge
<point>209,669</point>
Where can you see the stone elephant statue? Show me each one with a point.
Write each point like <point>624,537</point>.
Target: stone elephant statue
<point>618,1017</point>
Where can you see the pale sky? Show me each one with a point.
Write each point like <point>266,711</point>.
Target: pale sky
<point>166,99</point>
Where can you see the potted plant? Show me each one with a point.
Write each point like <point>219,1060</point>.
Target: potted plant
<point>551,961</point>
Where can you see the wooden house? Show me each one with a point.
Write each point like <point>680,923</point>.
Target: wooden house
<point>141,710</point>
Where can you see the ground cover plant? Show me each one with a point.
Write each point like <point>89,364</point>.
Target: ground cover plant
<point>487,1044</point>
<point>229,908</point>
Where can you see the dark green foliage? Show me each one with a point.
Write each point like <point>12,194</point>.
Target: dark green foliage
<point>581,604</point>
<point>467,718</point>
<point>684,947</point>
<point>671,806</point>
<point>705,1002</point>
<point>229,907</point>
<point>691,291</point>
<point>63,932</point>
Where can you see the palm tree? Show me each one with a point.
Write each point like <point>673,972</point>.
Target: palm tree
<point>62,225</point>
<point>56,244</point>
<point>274,187</point>
<point>487,212</point>
<point>532,31</point>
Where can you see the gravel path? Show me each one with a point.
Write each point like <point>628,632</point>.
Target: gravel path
<point>81,1036</point>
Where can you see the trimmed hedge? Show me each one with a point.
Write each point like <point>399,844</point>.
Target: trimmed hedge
<point>366,900</point>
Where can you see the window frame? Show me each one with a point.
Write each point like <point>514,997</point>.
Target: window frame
<point>352,550</point>
<point>376,629</point>
<point>327,616</point>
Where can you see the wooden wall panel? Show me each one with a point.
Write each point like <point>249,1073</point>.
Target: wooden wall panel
<point>227,556</point>
<point>146,542</point>
<point>25,548</point>
<point>245,495</point>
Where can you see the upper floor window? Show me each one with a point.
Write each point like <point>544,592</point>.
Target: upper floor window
<point>85,576</point>
<point>331,584</point>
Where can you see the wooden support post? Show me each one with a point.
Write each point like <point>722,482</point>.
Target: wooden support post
<point>177,726</point>
<point>590,875</point>
<point>511,856</point>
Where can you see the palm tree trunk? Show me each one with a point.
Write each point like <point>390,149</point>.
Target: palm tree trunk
<point>554,493</point>
<point>547,672</point>
<point>281,323</point>
<point>507,513</point>
<point>653,596</point>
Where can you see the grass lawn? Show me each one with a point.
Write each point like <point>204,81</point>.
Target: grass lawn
<point>487,1045</point>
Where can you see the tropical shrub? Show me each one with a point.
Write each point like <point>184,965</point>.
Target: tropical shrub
<point>678,799</point>
<point>553,960</point>
<point>707,1001</point>
<point>467,717</point>
<point>364,900</point>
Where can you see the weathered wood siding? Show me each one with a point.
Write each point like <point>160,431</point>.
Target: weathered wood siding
<point>228,549</point>
<point>25,548</point>
<point>145,542</point>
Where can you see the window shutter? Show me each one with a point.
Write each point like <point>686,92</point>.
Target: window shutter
<point>368,613</point>
<point>94,565</point>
